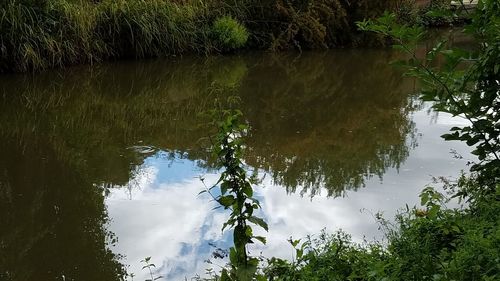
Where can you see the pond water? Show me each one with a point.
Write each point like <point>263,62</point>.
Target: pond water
<point>100,166</point>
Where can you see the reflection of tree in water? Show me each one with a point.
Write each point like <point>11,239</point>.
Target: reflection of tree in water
<point>52,219</point>
<point>328,120</point>
<point>65,139</point>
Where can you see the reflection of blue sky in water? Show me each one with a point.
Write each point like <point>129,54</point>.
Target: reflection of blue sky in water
<point>167,220</point>
<point>174,170</point>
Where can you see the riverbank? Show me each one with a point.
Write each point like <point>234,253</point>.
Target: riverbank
<point>40,34</point>
<point>432,243</point>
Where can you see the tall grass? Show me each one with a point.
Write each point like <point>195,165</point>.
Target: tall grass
<point>40,34</point>
<point>51,33</point>
<point>150,28</point>
<point>37,34</point>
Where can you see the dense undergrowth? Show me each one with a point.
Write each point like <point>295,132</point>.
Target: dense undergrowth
<point>37,34</point>
<point>433,243</point>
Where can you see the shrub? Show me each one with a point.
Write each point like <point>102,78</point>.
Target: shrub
<point>306,24</point>
<point>229,34</point>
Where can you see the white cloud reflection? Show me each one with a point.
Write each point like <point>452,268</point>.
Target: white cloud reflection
<point>170,222</point>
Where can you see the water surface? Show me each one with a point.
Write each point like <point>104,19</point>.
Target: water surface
<point>100,165</point>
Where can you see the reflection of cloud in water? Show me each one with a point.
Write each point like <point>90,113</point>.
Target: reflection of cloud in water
<point>167,220</point>
<point>173,225</point>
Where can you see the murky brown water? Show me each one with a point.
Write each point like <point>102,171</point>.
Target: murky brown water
<point>94,154</point>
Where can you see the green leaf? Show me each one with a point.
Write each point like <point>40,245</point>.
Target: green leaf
<point>294,242</point>
<point>258,221</point>
<point>261,277</point>
<point>262,239</point>
<point>433,211</point>
<point>247,189</point>
<point>248,231</point>
<point>229,222</point>
<point>255,201</point>
<point>226,201</point>
<point>453,136</point>
<point>472,141</point>
<point>233,257</point>
<point>424,197</point>
<point>299,253</point>
<point>224,187</point>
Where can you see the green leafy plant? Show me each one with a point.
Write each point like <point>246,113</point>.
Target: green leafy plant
<point>236,194</point>
<point>462,83</point>
<point>229,33</point>
<point>39,34</point>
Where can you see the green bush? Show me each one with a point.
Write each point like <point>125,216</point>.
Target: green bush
<point>229,33</point>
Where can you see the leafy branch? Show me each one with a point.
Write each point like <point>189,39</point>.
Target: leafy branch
<point>456,82</point>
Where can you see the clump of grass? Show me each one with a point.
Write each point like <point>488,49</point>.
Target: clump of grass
<point>146,28</point>
<point>52,33</point>
<point>229,33</point>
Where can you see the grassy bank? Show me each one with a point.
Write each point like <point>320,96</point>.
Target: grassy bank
<point>37,34</point>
